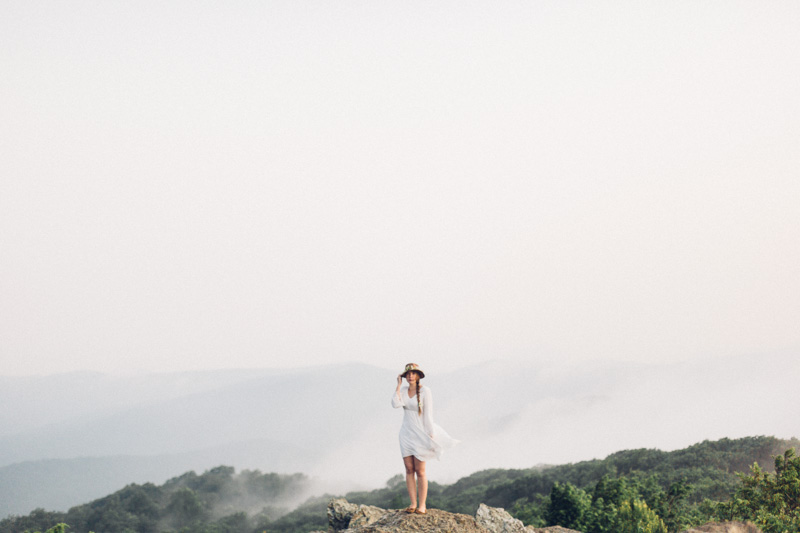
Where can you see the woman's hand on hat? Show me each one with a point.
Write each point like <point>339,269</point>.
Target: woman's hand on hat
<point>399,381</point>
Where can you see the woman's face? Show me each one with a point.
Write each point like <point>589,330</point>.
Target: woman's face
<point>412,376</point>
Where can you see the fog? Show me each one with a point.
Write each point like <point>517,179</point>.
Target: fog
<point>335,424</point>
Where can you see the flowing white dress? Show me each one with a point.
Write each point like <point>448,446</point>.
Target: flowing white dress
<point>419,435</point>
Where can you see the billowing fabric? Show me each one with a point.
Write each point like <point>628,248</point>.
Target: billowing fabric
<point>419,435</point>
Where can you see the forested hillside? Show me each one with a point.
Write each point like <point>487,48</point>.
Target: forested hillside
<point>678,488</point>
<point>219,500</point>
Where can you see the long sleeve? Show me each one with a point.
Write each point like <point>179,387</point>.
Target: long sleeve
<point>397,399</point>
<point>427,411</point>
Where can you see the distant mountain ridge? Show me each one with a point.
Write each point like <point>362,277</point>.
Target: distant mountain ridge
<point>252,407</point>
<point>31,402</point>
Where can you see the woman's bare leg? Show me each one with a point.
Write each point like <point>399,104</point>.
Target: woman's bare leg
<point>411,483</point>
<point>422,483</point>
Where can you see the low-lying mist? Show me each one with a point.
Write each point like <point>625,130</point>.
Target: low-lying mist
<point>516,416</point>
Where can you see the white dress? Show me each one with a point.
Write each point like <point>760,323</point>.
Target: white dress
<point>419,435</point>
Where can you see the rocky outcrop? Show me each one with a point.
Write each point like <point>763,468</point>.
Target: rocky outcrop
<point>346,517</point>
<point>725,527</point>
<point>497,520</point>
<point>340,511</point>
<point>343,515</point>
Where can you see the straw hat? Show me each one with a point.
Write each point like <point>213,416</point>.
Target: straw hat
<point>415,367</point>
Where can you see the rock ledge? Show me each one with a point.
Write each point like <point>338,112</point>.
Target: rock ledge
<point>346,517</point>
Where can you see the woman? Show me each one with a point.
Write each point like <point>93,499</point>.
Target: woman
<point>420,438</point>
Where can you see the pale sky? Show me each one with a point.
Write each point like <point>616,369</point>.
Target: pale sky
<point>199,185</point>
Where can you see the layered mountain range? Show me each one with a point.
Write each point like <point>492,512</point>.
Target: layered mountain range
<point>66,439</point>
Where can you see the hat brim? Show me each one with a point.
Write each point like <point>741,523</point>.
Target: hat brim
<point>420,372</point>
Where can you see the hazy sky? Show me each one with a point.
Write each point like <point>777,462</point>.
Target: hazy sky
<point>191,185</point>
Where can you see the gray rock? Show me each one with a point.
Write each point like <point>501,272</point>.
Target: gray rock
<point>369,519</point>
<point>366,515</point>
<point>497,520</point>
<point>434,521</point>
<point>340,511</point>
<point>346,517</point>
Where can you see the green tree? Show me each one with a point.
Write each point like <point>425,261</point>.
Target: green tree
<point>235,523</point>
<point>636,517</point>
<point>671,505</point>
<point>531,512</point>
<point>110,514</point>
<point>613,490</point>
<point>58,528</point>
<point>568,506</point>
<point>607,495</point>
<point>772,501</point>
<point>184,507</point>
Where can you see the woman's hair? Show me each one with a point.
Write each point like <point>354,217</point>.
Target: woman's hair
<point>419,394</point>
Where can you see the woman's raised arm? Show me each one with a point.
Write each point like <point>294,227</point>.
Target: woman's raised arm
<point>397,399</point>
